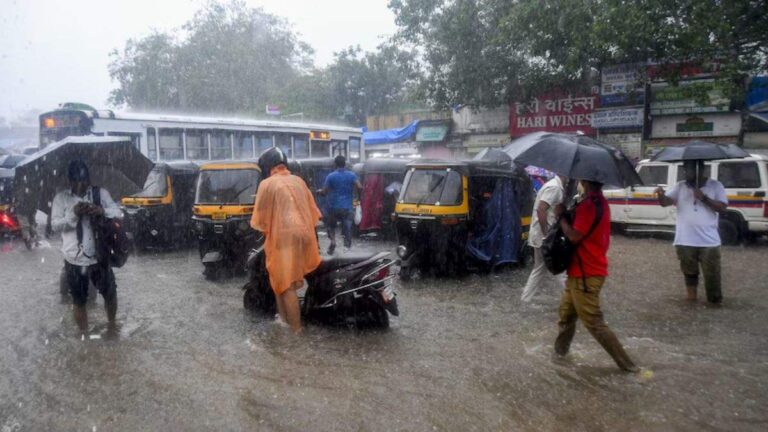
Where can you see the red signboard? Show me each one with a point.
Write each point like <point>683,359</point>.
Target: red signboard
<point>553,113</point>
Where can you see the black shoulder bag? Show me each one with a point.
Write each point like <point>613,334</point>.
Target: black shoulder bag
<point>112,244</point>
<point>558,250</point>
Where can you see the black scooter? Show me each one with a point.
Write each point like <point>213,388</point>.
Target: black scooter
<point>353,290</point>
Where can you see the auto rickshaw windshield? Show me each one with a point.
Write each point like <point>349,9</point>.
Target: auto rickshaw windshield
<point>155,186</point>
<point>432,186</point>
<point>231,186</point>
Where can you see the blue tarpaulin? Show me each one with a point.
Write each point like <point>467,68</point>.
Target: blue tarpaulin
<point>497,234</point>
<point>389,136</point>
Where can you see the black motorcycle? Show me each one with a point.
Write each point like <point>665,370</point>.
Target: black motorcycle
<point>353,290</point>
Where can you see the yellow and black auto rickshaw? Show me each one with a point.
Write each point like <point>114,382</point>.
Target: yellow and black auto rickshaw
<point>455,216</point>
<point>222,211</point>
<point>161,214</point>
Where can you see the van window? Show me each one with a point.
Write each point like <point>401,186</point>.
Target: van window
<point>653,175</point>
<point>681,172</point>
<point>739,174</point>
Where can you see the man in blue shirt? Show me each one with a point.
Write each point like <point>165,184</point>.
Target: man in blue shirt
<point>339,187</point>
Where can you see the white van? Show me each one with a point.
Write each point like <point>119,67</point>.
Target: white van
<point>636,209</point>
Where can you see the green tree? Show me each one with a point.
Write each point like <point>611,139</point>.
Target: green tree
<point>490,52</point>
<point>232,59</point>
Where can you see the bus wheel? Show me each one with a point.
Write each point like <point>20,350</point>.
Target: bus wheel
<point>729,232</point>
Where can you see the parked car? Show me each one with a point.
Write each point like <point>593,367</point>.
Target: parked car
<point>636,209</point>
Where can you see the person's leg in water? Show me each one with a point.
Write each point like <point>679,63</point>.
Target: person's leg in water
<point>346,227</point>
<point>291,310</point>
<point>689,265</point>
<point>330,221</point>
<point>77,281</point>
<point>710,268</point>
<point>104,280</point>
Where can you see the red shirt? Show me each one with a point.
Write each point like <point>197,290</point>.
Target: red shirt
<point>592,250</point>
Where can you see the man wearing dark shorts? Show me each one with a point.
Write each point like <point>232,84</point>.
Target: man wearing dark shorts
<point>339,187</point>
<point>74,214</point>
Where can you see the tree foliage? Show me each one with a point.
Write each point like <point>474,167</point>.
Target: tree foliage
<point>231,58</point>
<point>491,52</point>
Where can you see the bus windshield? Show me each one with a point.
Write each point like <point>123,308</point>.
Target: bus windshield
<point>155,186</point>
<point>57,125</point>
<point>232,186</point>
<point>432,187</point>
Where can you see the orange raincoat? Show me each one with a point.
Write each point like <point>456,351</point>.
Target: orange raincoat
<point>286,213</point>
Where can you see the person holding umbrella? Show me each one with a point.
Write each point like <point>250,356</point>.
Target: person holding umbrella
<point>699,201</point>
<point>589,228</point>
<point>74,214</point>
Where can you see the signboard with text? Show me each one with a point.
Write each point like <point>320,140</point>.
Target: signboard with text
<point>621,85</point>
<point>618,118</point>
<point>553,113</point>
<point>703,96</point>
<point>704,125</point>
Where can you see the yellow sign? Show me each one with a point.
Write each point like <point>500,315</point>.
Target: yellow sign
<point>320,135</point>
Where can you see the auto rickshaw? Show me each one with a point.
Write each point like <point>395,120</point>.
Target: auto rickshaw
<point>161,214</point>
<point>382,179</point>
<point>224,200</point>
<point>456,216</point>
<point>9,223</point>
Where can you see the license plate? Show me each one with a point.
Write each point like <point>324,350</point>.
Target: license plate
<point>218,229</point>
<point>219,216</point>
<point>388,294</point>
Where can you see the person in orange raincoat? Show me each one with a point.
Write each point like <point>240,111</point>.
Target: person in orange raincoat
<point>286,213</point>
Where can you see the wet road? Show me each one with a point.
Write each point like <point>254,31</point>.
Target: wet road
<point>464,355</point>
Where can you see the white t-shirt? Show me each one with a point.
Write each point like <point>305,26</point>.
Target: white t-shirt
<point>551,193</point>
<point>697,223</point>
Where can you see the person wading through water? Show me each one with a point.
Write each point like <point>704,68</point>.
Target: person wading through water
<point>75,215</point>
<point>286,213</point>
<point>586,275</point>
<point>339,187</point>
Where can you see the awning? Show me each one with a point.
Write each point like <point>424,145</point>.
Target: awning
<point>389,136</point>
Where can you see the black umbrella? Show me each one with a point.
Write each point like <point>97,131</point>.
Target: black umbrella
<point>700,150</point>
<point>114,164</point>
<point>574,156</point>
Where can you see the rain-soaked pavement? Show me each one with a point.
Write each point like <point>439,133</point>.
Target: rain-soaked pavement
<point>464,355</point>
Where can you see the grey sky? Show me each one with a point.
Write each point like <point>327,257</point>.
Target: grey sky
<point>55,51</point>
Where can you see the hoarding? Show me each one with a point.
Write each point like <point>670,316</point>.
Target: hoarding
<point>554,113</point>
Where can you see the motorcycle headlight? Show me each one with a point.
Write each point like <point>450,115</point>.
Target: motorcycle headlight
<point>402,251</point>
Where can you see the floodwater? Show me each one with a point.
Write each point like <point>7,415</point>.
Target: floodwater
<point>465,354</point>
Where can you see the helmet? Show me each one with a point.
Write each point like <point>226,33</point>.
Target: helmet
<point>270,159</point>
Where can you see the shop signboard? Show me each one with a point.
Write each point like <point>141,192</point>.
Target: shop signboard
<point>486,140</point>
<point>662,72</point>
<point>704,125</point>
<point>631,144</point>
<point>622,85</point>
<point>553,113</point>
<point>618,118</point>
<point>431,132</point>
<point>407,148</point>
<point>703,96</point>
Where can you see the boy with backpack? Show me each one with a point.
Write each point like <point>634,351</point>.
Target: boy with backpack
<point>75,214</point>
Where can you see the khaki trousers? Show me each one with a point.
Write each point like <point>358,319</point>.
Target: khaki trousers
<point>584,305</point>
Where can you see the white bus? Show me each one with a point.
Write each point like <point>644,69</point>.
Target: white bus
<point>171,137</point>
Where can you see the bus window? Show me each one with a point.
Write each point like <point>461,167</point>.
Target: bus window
<point>354,149</point>
<point>243,145</point>
<point>300,147</point>
<point>338,148</point>
<point>283,141</point>
<point>319,149</point>
<point>197,145</point>
<point>135,137</point>
<point>151,144</point>
<point>264,143</point>
<point>221,146</point>
<point>170,144</point>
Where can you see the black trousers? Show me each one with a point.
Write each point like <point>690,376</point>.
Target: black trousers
<point>100,274</point>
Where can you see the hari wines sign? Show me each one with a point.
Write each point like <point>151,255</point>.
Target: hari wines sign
<point>553,113</point>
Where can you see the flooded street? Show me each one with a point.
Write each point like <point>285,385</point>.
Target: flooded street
<point>464,354</point>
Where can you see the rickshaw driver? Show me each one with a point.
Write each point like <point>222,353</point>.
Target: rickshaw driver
<point>286,213</point>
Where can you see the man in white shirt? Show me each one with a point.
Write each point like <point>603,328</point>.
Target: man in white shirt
<point>699,202</point>
<point>74,215</point>
<point>549,196</point>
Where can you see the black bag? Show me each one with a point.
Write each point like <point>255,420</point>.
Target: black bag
<point>557,250</point>
<point>112,243</point>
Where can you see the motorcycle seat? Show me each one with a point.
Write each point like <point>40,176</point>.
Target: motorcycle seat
<point>330,264</point>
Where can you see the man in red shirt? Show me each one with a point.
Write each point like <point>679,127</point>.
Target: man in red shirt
<point>586,276</point>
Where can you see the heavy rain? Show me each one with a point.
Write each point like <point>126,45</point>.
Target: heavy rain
<point>277,215</point>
